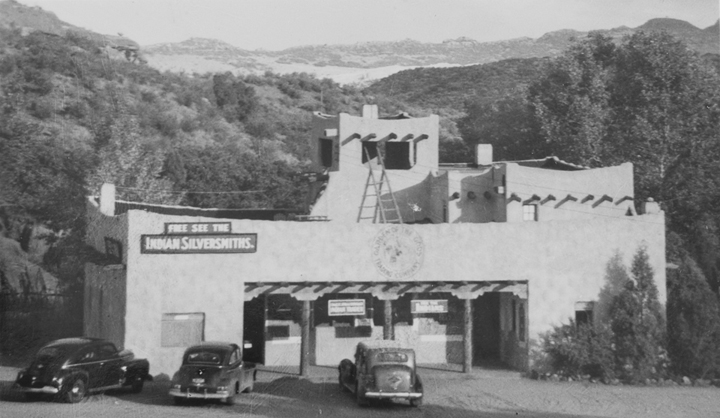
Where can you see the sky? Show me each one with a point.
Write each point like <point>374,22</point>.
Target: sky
<point>278,24</point>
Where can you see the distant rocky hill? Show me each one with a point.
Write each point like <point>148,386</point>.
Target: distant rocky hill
<point>364,59</point>
<point>14,15</point>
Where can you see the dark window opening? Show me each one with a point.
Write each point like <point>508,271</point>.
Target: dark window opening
<point>369,149</point>
<point>397,156</point>
<point>326,152</point>
<point>284,307</point>
<point>521,322</point>
<point>584,313</point>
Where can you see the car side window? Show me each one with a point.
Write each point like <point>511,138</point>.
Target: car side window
<point>235,356</point>
<point>85,356</point>
<point>106,351</point>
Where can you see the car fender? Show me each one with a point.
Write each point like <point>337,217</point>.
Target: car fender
<point>69,375</point>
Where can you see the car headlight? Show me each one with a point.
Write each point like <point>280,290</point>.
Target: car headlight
<point>176,386</point>
<point>20,375</point>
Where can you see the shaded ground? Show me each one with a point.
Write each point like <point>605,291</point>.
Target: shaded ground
<point>486,393</point>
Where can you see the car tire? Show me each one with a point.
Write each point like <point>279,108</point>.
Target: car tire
<point>137,384</point>
<point>230,400</point>
<point>32,397</point>
<point>341,384</point>
<point>361,400</point>
<point>416,402</point>
<point>250,387</point>
<point>74,390</point>
<point>178,400</point>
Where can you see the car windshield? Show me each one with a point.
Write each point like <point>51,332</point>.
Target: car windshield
<point>51,353</point>
<point>391,357</point>
<point>204,357</point>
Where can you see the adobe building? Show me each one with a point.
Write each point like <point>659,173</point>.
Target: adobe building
<point>467,263</point>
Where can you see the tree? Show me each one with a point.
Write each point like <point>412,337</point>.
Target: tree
<point>638,322</point>
<point>693,321</point>
<point>508,124</point>
<point>132,166</point>
<point>571,101</point>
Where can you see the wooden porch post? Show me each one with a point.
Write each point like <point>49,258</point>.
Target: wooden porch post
<point>305,339</point>
<point>467,336</point>
<point>387,323</point>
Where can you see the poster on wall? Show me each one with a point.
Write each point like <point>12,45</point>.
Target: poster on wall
<point>345,307</point>
<point>424,306</point>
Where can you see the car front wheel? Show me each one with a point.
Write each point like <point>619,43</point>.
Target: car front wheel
<point>75,391</point>
<point>361,400</point>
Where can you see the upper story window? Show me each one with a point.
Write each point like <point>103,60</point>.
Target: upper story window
<point>396,155</point>
<point>530,212</point>
<point>326,152</point>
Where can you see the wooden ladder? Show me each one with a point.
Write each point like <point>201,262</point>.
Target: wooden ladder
<point>387,215</point>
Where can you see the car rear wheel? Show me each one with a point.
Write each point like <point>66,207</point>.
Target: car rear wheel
<point>230,400</point>
<point>32,397</point>
<point>137,384</point>
<point>75,390</point>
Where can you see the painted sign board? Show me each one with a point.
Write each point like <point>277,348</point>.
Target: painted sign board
<point>198,228</point>
<point>423,306</point>
<point>198,244</point>
<point>345,307</point>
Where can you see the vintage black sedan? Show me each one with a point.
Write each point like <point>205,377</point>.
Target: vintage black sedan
<point>212,370</point>
<point>71,368</point>
<point>382,370</point>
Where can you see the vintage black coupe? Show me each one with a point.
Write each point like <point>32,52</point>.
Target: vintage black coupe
<point>212,370</point>
<point>71,368</point>
<point>382,370</point>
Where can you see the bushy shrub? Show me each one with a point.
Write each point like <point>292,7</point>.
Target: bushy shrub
<point>581,350</point>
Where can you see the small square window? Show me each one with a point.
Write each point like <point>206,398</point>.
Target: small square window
<point>584,312</point>
<point>530,212</point>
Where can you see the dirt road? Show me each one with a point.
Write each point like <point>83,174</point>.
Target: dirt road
<point>484,393</point>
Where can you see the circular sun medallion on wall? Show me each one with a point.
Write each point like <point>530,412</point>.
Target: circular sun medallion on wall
<point>398,252</point>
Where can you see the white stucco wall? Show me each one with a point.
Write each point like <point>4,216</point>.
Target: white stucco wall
<point>563,262</point>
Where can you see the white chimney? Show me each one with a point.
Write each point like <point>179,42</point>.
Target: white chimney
<point>483,154</point>
<point>370,111</point>
<point>107,199</point>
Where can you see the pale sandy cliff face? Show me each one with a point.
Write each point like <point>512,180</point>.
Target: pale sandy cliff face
<point>19,274</point>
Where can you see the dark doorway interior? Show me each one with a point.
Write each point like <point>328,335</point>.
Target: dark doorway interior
<point>254,330</point>
<point>486,329</point>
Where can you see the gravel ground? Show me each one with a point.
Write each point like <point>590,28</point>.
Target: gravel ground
<point>483,393</point>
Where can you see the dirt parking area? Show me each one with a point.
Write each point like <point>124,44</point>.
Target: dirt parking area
<point>482,393</point>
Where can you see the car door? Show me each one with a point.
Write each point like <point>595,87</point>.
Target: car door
<point>109,372</point>
<point>234,363</point>
<point>87,360</point>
